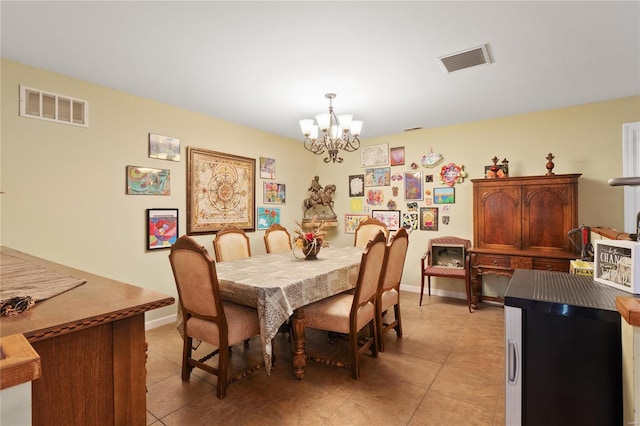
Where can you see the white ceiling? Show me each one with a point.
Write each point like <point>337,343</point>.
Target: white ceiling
<point>267,64</point>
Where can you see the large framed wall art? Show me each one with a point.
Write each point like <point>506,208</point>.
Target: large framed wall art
<point>220,191</point>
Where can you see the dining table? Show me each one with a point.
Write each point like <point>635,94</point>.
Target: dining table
<point>280,285</point>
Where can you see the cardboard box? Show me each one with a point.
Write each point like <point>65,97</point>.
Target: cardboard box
<point>581,267</point>
<point>617,264</point>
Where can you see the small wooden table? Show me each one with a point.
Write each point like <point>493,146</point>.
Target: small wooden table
<point>91,343</point>
<point>279,285</point>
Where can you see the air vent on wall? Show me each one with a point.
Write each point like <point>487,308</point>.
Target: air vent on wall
<point>35,103</point>
<point>472,57</point>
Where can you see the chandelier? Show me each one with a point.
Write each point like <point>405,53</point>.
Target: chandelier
<point>338,133</point>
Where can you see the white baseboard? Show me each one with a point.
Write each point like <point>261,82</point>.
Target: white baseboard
<point>148,325</point>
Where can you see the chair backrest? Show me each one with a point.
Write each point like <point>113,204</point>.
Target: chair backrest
<point>230,244</point>
<point>195,275</point>
<point>397,252</point>
<point>277,239</point>
<point>371,265</point>
<point>367,229</point>
<point>446,241</point>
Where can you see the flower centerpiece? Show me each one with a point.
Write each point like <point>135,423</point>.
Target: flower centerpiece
<point>311,241</point>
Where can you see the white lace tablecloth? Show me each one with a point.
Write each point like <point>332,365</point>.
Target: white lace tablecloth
<point>277,284</point>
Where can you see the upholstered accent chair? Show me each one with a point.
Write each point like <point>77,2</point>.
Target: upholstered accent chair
<point>205,316</point>
<point>277,239</point>
<point>348,313</point>
<point>367,229</point>
<point>389,288</point>
<point>231,243</point>
<point>447,257</point>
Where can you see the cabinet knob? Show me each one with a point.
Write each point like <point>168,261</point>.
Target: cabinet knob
<point>495,262</point>
<point>548,267</point>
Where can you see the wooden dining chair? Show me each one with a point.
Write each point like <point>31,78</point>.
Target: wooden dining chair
<point>277,239</point>
<point>349,313</point>
<point>231,243</point>
<point>367,229</point>
<point>446,257</point>
<point>389,289</point>
<point>205,316</point>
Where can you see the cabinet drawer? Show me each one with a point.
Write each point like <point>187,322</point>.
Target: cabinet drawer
<point>493,260</point>
<point>560,265</point>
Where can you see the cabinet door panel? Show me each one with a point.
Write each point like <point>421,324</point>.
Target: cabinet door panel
<point>547,217</point>
<point>498,219</point>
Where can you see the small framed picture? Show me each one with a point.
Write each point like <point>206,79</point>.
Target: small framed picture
<point>148,181</point>
<point>444,195</point>
<point>377,177</point>
<point>164,147</point>
<point>391,218</point>
<point>410,220</point>
<point>352,220</point>
<point>617,264</point>
<point>413,186</point>
<point>428,218</point>
<point>162,228</point>
<point>376,155</point>
<point>274,193</point>
<point>356,186</point>
<point>267,216</point>
<point>267,168</point>
<point>396,156</point>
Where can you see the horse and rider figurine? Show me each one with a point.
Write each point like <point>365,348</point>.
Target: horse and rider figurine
<point>320,202</point>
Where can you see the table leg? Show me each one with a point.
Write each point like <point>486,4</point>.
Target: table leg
<point>297,327</point>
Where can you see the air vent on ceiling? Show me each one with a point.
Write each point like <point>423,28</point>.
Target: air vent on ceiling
<point>472,57</point>
<point>35,103</point>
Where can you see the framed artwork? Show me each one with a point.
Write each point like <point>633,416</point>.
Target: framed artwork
<point>396,156</point>
<point>376,155</point>
<point>164,147</point>
<point>267,216</point>
<point>501,172</point>
<point>162,228</point>
<point>377,177</point>
<point>444,195</point>
<point>274,193</point>
<point>410,220</point>
<point>452,174</point>
<point>220,191</point>
<point>617,264</point>
<point>412,186</point>
<point>148,181</point>
<point>375,197</point>
<point>267,168</point>
<point>428,218</point>
<point>356,185</point>
<point>351,222</point>
<point>391,218</point>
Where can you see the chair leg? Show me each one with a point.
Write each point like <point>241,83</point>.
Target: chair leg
<point>353,354</point>
<point>421,289</point>
<point>398,328</point>
<point>468,285</point>
<point>429,283</point>
<point>186,355</point>
<point>223,368</point>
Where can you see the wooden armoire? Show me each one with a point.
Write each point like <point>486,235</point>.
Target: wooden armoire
<point>522,223</point>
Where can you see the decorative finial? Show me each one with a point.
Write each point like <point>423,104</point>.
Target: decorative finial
<point>550,164</point>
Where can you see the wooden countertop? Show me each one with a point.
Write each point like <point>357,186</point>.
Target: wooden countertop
<point>629,308</point>
<point>98,301</point>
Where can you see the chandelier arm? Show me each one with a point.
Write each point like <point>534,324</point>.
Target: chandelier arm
<point>352,145</point>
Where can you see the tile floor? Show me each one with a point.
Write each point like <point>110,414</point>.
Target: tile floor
<point>447,369</point>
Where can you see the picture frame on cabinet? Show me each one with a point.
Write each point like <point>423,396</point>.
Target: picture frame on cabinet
<point>428,218</point>
<point>162,228</point>
<point>617,264</point>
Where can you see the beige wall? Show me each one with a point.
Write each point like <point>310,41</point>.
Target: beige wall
<point>64,187</point>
